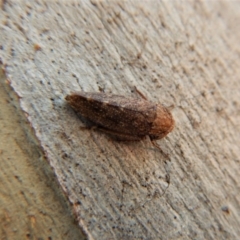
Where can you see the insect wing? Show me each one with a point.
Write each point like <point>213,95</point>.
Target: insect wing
<point>130,116</point>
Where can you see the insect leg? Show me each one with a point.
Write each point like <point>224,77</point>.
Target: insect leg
<point>162,152</point>
<point>140,93</point>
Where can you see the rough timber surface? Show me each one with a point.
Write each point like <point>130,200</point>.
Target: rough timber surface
<point>182,55</point>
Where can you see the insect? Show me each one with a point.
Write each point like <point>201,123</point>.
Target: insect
<point>124,118</point>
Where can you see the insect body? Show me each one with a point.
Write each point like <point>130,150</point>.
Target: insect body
<point>122,117</point>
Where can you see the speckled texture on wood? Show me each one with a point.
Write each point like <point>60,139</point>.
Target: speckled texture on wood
<point>182,56</point>
<point>32,204</point>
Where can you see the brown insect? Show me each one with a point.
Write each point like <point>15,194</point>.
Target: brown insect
<point>122,117</point>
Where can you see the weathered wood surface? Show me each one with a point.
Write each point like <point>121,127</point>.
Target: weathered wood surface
<point>182,55</point>
<point>32,206</point>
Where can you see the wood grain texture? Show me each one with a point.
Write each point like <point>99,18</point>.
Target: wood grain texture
<point>182,55</point>
<point>32,206</point>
